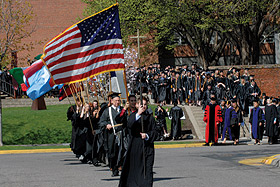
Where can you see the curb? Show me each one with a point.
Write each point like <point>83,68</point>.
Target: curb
<point>272,161</point>
<point>63,150</point>
<point>28,151</point>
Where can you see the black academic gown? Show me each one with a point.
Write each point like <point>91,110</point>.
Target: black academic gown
<point>253,89</point>
<point>122,118</point>
<point>176,113</point>
<point>133,169</point>
<point>70,112</point>
<point>87,121</point>
<point>270,116</point>
<point>96,153</point>
<point>155,92</point>
<point>162,89</point>
<point>241,95</point>
<point>111,141</point>
<point>81,135</point>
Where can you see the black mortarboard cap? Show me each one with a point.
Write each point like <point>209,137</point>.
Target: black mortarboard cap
<point>213,98</point>
<point>242,77</point>
<point>234,101</point>
<point>114,94</point>
<point>256,100</point>
<point>252,76</point>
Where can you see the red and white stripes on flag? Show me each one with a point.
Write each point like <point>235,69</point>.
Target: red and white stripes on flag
<point>88,48</point>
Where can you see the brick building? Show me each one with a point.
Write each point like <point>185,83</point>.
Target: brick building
<point>52,17</point>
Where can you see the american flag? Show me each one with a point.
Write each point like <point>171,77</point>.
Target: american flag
<point>90,47</point>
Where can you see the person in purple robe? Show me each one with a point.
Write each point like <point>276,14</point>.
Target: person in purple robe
<point>230,116</point>
<point>257,122</point>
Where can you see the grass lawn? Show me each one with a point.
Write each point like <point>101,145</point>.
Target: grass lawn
<point>23,126</point>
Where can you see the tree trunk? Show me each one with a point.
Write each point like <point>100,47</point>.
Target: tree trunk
<point>245,53</point>
<point>255,54</point>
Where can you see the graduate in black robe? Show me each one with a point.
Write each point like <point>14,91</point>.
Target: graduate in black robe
<point>122,118</point>
<point>162,88</point>
<point>241,95</point>
<point>81,136</point>
<point>134,174</point>
<point>160,115</point>
<point>71,110</point>
<point>86,120</point>
<point>271,121</point>
<point>112,134</point>
<point>176,113</point>
<point>154,87</point>
<point>97,153</point>
<point>253,92</point>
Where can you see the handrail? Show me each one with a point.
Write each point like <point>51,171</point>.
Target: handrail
<point>8,85</point>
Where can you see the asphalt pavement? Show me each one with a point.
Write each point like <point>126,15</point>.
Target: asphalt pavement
<point>216,166</point>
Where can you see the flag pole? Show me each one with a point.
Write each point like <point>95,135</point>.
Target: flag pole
<point>73,95</point>
<point>89,116</point>
<point>110,82</point>
<point>81,88</point>
<point>87,91</point>
<point>102,95</point>
<point>125,84</point>
<point>78,96</point>
<point>95,88</point>
<point>66,95</point>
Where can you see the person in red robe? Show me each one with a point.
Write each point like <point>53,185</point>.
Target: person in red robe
<point>212,118</point>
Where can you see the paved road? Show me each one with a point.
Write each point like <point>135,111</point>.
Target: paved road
<point>193,167</point>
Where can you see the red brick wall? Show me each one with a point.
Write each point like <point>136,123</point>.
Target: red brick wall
<point>266,76</point>
<point>52,17</point>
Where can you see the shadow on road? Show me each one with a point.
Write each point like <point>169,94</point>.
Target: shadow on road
<point>167,178</point>
<point>157,179</point>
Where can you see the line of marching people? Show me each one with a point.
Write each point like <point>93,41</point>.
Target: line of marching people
<point>113,135</point>
<point>225,120</point>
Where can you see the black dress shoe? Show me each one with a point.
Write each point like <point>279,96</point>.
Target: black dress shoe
<point>97,164</point>
<point>207,144</point>
<point>115,173</point>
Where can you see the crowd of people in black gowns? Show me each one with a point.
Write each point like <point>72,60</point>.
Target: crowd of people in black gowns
<point>122,137</point>
<point>115,136</point>
<point>234,93</point>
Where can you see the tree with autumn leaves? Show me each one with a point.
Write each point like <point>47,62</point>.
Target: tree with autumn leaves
<point>207,26</point>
